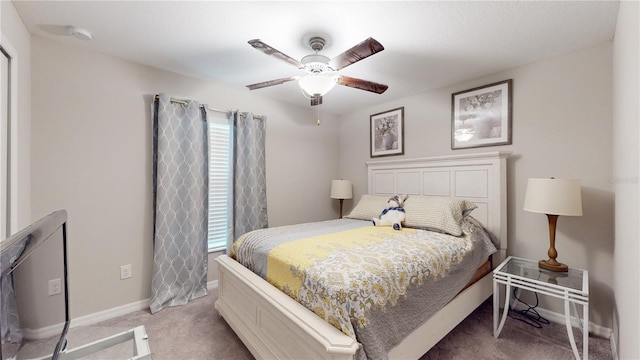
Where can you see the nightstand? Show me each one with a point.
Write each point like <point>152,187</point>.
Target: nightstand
<point>571,286</point>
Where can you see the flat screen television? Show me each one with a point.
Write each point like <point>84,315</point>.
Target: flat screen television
<point>34,296</point>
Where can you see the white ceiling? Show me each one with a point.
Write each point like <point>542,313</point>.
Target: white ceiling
<point>428,44</point>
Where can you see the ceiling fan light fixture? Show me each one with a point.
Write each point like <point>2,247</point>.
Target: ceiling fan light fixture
<point>322,71</point>
<point>317,84</point>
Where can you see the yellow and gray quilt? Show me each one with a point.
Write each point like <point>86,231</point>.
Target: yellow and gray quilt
<point>375,284</point>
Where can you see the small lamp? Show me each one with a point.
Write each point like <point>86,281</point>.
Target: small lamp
<point>341,189</point>
<point>553,197</point>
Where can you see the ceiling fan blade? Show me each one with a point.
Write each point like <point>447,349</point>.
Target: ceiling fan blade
<point>363,50</point>
<point>362,84</point>
<point>271,83</point>
<point>259,45</point>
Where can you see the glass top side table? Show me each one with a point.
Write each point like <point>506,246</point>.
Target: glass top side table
<point>571,286</point>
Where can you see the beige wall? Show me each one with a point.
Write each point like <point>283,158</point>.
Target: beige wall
<point>626,151</point>
<point>561,127</point>
<point>91,155</point>
<point>17,41</point>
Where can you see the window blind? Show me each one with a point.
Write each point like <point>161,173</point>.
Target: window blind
<point>219,177</point>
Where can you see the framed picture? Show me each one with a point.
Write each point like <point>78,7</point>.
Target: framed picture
<point>481,116</point>
<point>387,133</point>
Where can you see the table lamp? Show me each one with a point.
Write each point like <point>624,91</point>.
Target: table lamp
<point>341,189</point>
<point>553,197</point>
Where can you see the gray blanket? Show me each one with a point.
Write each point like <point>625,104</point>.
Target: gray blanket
<point>375,284</point>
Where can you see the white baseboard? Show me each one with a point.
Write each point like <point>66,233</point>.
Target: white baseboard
<point>42,333</point>
<point>48,331</point>
<point>53,330</point>
<point>594,329</point>
<point>121,310</point>
<point>110,313</point>
<point>212,285</point>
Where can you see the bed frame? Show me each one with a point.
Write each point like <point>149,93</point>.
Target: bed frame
<point>274,326</point>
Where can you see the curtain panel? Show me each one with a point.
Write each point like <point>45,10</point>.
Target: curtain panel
<point>249,185</point>
<point>180,175</point>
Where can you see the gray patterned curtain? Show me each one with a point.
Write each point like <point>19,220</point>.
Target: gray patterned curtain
<point>249,185</point>
<point>180,170</point>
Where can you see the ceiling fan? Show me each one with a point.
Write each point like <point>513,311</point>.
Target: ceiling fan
<point>321,71</point>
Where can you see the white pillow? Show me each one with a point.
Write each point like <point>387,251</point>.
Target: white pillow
<point>436,213</point>
<point>368,207</point>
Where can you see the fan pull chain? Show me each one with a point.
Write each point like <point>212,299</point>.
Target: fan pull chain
<point>318,122</point>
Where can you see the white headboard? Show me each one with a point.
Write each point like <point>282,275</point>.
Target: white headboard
<point>480,178</point>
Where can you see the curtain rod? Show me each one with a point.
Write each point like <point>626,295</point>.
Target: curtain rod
<point>184,102</point>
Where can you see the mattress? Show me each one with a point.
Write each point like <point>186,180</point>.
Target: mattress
<point>374,284</point>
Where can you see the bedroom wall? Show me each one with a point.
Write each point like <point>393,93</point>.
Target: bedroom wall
<point>561,127</point>
<point>626,175</point>
<point>91,155</point>
<point>17,40</point>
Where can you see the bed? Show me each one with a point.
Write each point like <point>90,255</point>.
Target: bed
<point>274,326</point>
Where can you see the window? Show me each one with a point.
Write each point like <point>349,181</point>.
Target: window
<point>219,177</point>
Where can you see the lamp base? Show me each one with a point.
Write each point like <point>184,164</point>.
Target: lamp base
<point>552,265</point>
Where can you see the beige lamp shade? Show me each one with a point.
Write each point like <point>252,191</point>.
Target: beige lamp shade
<point>341,189</point>
<point>554,197</point>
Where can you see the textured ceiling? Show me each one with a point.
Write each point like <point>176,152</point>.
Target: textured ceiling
<point>428,44</point>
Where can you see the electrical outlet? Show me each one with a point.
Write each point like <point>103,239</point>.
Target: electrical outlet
<point>55,286</point>
<point>125,271</point>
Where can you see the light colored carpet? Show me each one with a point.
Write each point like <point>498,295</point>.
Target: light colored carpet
<point>197,331</point>
<point>473,339</point>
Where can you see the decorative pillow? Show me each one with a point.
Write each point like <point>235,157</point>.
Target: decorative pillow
<point>368,207</point>
<point>437,213</point>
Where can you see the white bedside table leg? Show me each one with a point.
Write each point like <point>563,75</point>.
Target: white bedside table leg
<point>567,318</point>
<point>505,311</point>
<point>496,303</point>
<point>585,331</point>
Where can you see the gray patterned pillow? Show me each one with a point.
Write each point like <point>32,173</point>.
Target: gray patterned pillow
<point>437,213</point>
<point>368,207</point>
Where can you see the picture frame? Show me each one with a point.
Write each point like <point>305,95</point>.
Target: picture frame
<point>482,116</point>
<point>387,133</point>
